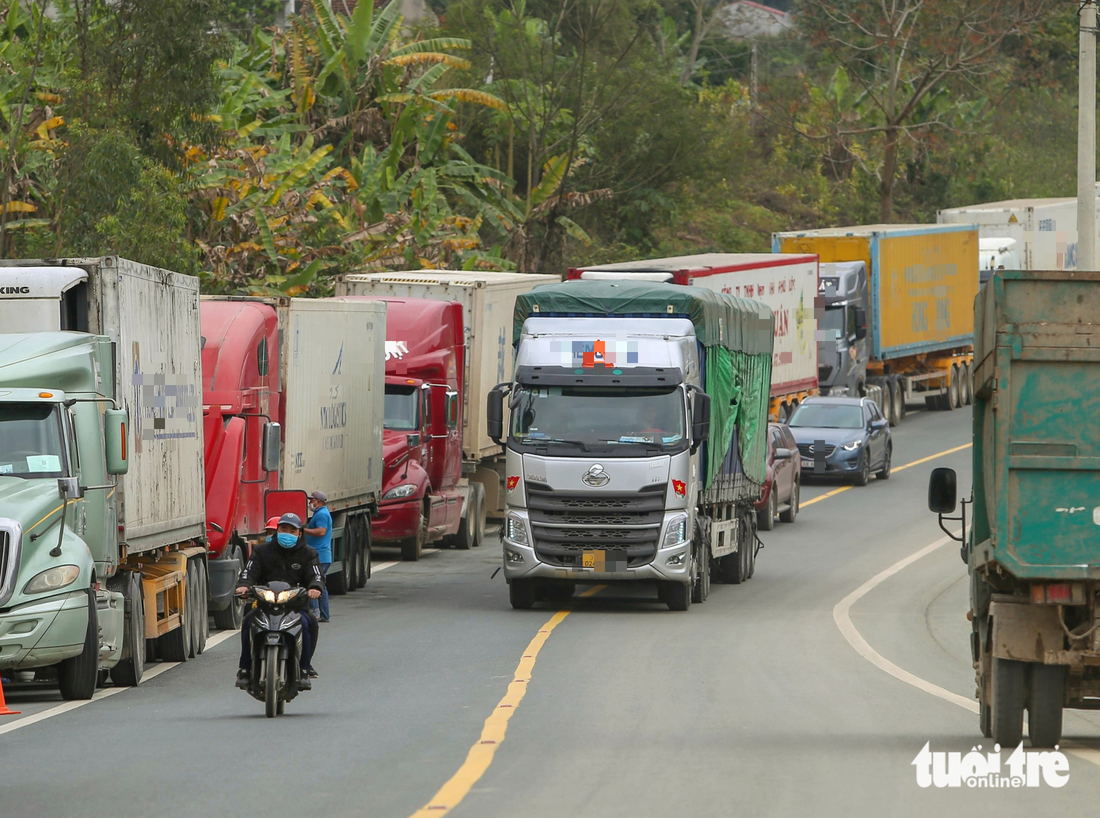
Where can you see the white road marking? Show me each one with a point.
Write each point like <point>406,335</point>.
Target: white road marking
<point>841,615</point>
<point>100,695</point>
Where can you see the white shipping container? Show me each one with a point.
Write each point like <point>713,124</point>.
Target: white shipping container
<point>332,368</point>
<point>785,282</point>
<point>1045,230</point>
<point>488,300</point>
<point>152,316</point>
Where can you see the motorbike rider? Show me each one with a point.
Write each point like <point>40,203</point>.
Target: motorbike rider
<point>285,557</point>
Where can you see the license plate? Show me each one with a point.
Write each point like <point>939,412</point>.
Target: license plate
<point>807,464</point>
<point>588,558</point>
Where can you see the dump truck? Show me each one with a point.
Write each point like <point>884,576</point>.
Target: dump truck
<point>486,300</point>
<point>292,402</point>
<point>102,520</point>
<point>1031,549</point>
<point>787,283</point>
<point>894,311</point>
<point>636,438</point>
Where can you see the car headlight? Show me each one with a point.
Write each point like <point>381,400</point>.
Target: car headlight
<point>516,529</point>
<point>51,579</point>
<point>266,595</point>
<point>851,447</point>
<point>675,531</point>
<point>398,492</point>
<point>286,596</point>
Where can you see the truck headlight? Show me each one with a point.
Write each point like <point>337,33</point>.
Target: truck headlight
<point>851,447</point>
<point>675,531</point>
<point>399,492</point>
<point>51,579</point>
<point>516,529</point>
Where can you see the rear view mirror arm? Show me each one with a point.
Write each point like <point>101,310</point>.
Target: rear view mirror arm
<point>961,537</point>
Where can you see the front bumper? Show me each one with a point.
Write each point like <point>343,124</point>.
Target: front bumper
<point>44,632</point>
<point>396,521</point>
<point>839,462</point>
<point>659,569</point>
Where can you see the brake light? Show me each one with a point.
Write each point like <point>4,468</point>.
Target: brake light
<point>1058,593</point>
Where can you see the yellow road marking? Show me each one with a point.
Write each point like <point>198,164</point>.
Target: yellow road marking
<point>934,456</point>
<point>479,758</point>
<point>837,491</point>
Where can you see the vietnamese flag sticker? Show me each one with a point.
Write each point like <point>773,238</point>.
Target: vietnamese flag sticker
<point>680,487</point>
<point>512,483</point>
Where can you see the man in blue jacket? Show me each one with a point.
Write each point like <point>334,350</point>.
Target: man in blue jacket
<point>319,537</point>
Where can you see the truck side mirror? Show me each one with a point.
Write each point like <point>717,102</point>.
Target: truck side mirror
<point>861,323</point>
<point>942,491</point>
<point>114,441</point>
<point>700,419</point>
<point>272,447</point>
<point>494,413</point>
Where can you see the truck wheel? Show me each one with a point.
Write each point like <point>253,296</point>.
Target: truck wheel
<point>351,553</point>
<point>750,555</point>
<point>1008,701</point>
<point>887,406</point>
<point>412,548</point>
<point>466,534</point>
<point>1044,704</point>
<point>701,587</point>
<point>985,719</point>
<point>678,595</point>
<point>196,598</point>
<point>863,476</point>
<point>968,384</point>
<point>791,513</point>
<point>230,619</point>
<point>78,676</point>
<point>897,401</point>
<point>521,593</point>
<point>130,669</point>
<point>951,399</point>
<point>479,520</point>
<point>362,565</point>
<point>766,519</point>
<point>175,646</point>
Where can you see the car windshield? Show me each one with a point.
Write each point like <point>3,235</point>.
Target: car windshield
<point>402,412</point>
<point>831,318</point>
<point>827,416</point>
<point>597,416</point>
<point>30,441</point>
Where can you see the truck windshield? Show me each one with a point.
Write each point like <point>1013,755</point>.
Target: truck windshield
<point>402,412</point>
<point>831,319</point>
<point>827,416</point>
<point>596,416</point>
<point>30,441</point>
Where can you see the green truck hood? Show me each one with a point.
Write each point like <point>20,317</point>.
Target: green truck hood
<point>64,361</point>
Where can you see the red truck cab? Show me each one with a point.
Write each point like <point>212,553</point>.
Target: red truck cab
<point>241,397</point>
<point>422,439</point>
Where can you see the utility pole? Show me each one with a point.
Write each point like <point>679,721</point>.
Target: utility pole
<point>1086,140</point>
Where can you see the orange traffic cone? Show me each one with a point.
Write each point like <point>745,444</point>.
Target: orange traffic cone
<point>3,707</point>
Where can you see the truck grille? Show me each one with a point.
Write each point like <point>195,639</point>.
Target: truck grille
<point>627,526</point>
<point>807,450</point>
<point>8,567</point>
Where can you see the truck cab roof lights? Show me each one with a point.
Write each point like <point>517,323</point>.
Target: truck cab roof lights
<point>45,394</point>
<point>598,376</point>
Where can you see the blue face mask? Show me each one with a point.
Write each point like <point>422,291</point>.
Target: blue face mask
<point>287,540</point>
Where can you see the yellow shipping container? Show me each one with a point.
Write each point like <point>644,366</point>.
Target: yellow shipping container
<point>923,278</point>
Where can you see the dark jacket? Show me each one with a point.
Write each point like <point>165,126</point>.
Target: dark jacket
<point>270,562</point>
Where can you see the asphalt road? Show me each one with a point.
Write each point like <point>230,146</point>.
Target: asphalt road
<point>753,703</point>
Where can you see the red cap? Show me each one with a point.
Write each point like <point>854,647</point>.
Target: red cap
<point>273,523</point>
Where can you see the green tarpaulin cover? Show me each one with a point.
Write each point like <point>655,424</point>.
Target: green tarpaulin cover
<point>737,334</point>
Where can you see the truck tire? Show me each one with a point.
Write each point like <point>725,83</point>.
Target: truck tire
<point>766,519</point>
<point>700,589</point>
<point>521,594</point>
<point>897,401</point>
<point>351,553</point>
<point>363,563</point>
<point>479,527</point>
<point>985,719</point>
<point>750,555</point>
<point>413,548</point>
<point>464,538</point>
<point>131,667</point>
<point>952,397</point>
<point>77,676</point>
<point>175,646</point>
<point>230,619</point>
<point>678,595</point>
<point>1044,704</point>
<point>887,406</point>
<point>1008,701</point>
<point>196,598</point>
<point>791,513</point>
<point>968,384</point>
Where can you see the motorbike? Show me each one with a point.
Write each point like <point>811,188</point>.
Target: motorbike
<point>276,629</point>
